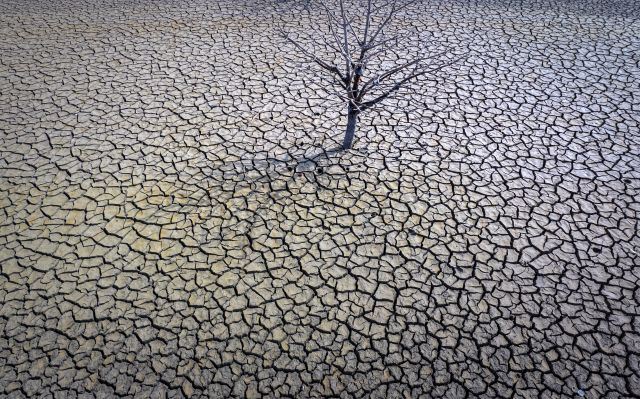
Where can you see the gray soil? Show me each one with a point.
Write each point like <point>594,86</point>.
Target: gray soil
<point>167,230</point>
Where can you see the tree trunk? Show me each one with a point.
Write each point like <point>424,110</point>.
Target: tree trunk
<point>351,128</point>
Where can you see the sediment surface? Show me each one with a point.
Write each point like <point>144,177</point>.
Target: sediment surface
<point>165,229</point>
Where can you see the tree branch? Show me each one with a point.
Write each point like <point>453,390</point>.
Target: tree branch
<point>368,104</point>
<point>324,65</point>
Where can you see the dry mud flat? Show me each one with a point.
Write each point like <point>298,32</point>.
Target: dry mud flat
<point>161,235</point>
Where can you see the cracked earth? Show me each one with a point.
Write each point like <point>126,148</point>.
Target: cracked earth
<point>167,230</point>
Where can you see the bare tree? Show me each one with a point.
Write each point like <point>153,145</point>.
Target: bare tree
<point>363,53</point>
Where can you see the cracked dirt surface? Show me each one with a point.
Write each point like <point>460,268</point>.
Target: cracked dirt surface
<point>163,232</point>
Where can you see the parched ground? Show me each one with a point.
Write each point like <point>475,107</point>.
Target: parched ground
<point>164,234</point>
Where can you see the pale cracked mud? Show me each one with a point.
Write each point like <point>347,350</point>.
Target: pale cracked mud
<point>162,234</point>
